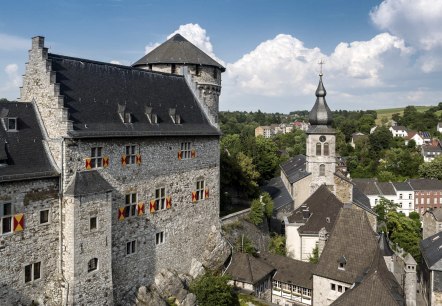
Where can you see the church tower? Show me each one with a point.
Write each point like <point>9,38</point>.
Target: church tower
<point>321,143</point>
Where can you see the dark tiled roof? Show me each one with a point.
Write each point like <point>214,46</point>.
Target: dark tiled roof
<point>26,156</point>
<point>294,168</point>
<point>366,186</point>
<point>94,92</point>
<point>360,199</point>
<point>323,207</point>
<point>353,238</point>
<point>425,184</point>
<point>177,50</point>
<point>402,186</point>
<point>436,212</point>
<point>320,129</point>
<point>431,249</point>
<point>290,270</point>
<point>384,246</point>
<point>399,128</point>
<point>280,196</point>
<point>386,188</point>
<point>247,268</point>
<point>87,182</point>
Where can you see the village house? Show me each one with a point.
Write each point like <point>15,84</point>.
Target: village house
<point>398,131</point>
<point>427,193</point>
<point>108,173</point>
<point>431,269</point>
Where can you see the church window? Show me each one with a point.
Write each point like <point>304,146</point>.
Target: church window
<point>131,247</point>
<point>6,218</point>
<point>318,148</point>
<point>200,184</point>
<point>131,205</point>
<point>160,198</point>
<point>96,157</point>
<point>44,216</point>
<point>159,238</point>
<point>92,265</point>
<point>32,272</point>
<point>131,153</point>
<point>186,151</point>
<point>326,150</point>
<point>322,170</point>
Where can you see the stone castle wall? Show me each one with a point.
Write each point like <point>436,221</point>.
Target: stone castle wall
<point>36,243</point>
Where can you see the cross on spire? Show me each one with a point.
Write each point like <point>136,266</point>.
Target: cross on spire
<point>321,62</point>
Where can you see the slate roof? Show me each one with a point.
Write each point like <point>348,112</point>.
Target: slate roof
<point>323,207</point>
<point>402,186</point>
<point>353,238</point>
<point>384,246</point>
<point>86,183</point>
<point>436,212</point>
<point>280,196</point>
<point>431,249</point>
<point>177,50</point>
<point>94,91</point>
<point>247,268</point>
<point>294,168</point>
<point>360,199</point>
<point>386,188</point>
<point>430,148</point>
<point>399,128</point>
<point>425,184</point>
<point>366,186</point>
<point>290,271</point>
<point>23,150</point>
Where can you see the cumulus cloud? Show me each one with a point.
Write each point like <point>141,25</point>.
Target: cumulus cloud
<point>13,43</point>
<point>196,35</point>
<point>13,76</point>
<point>419,22</point>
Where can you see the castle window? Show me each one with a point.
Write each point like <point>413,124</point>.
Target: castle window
<point>200,190</point>
<point>93,224</point>
<point>131,154</point>
<point>186,151</point>
<point>92,265</point>
<point>159,238</point>
<point>12,124</point>
<point>131,205</point>
<point>326,150</point>
<point>44,216</point>
<point>160,198</point>
<point>322,170</point>
<point>96,157</point>
<point>131,247</point>
<point>6,218</point>
<point>32,272</point>
<point>318,148</point>
<point>173,68</point>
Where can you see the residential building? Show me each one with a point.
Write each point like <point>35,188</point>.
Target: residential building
<point>265,131</point>
<point>104,178</point>
<point>404,197</point>
<point>427,193</point>
<point>430,151</point>
<point>431,269</point>
<point>398,131</point>
<point>416,137</point>
<point>273,129</point>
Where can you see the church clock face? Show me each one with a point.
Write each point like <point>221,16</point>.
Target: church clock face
<point>322,138</point>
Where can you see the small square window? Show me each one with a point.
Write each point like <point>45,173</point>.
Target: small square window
<point>32,272</point>
<point>186,150</point>
<point>93,223</point>
<point>131,153</point>
<point>44,216</point>
<point>96,157</point>
<point>339,288</point>
<point>200,190</point>
<point>130,247</point>
<point>333,287</point>
<point>92,265</point>
<point>159,238</point>
<point>131,205</point>
<point>160,198</point>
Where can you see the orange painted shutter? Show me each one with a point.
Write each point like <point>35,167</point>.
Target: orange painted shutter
<point>168,202</point>
<point>193,153</point>
<point>121,213</point>
<point>88,164</point>
<point>206,193</point>
<point>123,160</point>
<point>180,155</point>
<point>19,223</point>
<point>152,206</point>
<point>140,209</point>
<point>138,159</point>
<point>193,196</point>
<point>105,161</point>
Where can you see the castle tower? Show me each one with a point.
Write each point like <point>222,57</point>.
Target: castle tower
<point>321,143</point>
<point>202,73</point>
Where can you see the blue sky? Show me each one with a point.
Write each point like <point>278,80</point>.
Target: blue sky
<point>378,54</point>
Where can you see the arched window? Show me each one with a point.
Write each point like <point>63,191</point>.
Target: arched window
<point>326,152</point>
<point>92,265</point>
<point>318,148</point>
<point>322,170</point>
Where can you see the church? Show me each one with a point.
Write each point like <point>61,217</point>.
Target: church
<point>108,173</point>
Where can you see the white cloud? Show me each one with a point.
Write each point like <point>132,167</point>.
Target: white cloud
<point>196,35</point>
<point>13,76</point>
<point>13,43</point>
<point>419,22</point>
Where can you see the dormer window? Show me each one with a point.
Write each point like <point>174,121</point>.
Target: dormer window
<point>342,263</point>
<point>153,118</point>
<point>125,116</point>
<point>11,124</point>
<point>174,116</point>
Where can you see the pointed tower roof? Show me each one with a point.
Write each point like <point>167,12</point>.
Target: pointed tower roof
<point>177,50</point>
<point>320,113</point>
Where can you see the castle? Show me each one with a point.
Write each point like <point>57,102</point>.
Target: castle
<point>108,173</point>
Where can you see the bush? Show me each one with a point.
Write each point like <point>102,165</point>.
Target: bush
<point>211,289</point>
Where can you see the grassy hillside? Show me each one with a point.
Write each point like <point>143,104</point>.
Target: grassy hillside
<point>388,112</point>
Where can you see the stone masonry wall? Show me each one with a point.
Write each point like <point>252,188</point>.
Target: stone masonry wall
<point>36,243</point>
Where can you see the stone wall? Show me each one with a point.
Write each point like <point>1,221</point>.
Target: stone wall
<point>323,294</point>
<point>36,243</point>
<point>429,225</point>
<point>344,189</point>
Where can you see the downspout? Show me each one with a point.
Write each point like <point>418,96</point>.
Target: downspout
<point>60,200</point>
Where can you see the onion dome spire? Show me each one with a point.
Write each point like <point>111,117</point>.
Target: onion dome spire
<point>320,113</point>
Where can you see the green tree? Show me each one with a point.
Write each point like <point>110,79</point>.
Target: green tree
<point>265,157</point>
<point>256,215</point>
<point>268,204</point>
<point>380,140</point>
<point>277,245</point>
<point>211,289</point>
<point>245,245</point>
<point>432,169</point>
<point>383,208</point>
<point>314,257</point>
<point>401,162</point>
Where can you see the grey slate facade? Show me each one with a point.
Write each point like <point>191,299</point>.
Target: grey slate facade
<point>126,160</point>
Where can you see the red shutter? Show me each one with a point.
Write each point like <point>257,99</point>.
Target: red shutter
<point>88,164</point>
<point>180,155</point>
<point>168,202</point>
<point>121,213</point>
<point>123,160</point>
<point>140,209</point>
<point>19,223</point>
<point>193,153</point>
<point>152,206</point>
<point>138,159</point>
<point>105,161</point>
<point>193,196</point>
<point>206,193</point>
